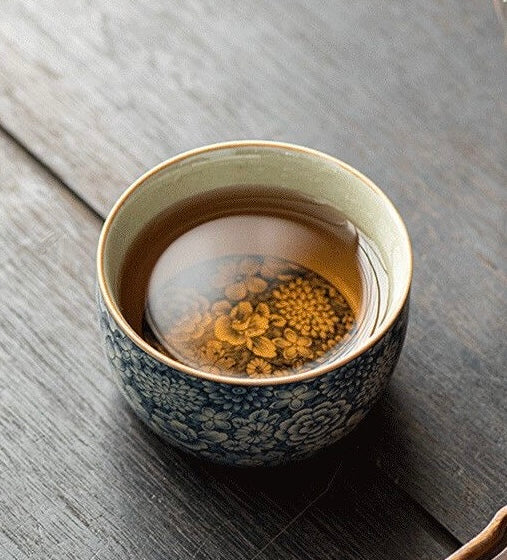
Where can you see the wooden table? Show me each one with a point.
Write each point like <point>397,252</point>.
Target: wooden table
<point>92,94</point>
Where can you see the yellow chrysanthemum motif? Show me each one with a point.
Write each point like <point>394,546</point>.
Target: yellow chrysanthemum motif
<point>212,351</point>
<point>244,326</point>
<point>257,367</point>
<point>294,345</point>
<point>306,308</point>
<point>254,316</point>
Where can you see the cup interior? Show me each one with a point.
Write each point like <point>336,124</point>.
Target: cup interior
<point>306,171</point>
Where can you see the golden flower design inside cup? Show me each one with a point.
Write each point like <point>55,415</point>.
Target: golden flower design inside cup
<point>259,316</point>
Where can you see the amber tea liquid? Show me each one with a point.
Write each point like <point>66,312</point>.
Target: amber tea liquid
<point>253,281</point>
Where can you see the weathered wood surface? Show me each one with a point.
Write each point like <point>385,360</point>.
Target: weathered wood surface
<point>81,478</point>
<point>412,93</point>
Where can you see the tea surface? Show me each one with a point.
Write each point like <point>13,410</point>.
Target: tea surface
<point>251,281</point>
<point>253,315</point>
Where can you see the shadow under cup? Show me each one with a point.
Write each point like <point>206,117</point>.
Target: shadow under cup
<point>249,421</point>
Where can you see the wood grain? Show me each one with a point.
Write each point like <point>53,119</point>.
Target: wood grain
<point>81,478</point>
<point>409,92</point>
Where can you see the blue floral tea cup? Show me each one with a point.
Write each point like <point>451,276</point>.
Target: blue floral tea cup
<point>254,421</point>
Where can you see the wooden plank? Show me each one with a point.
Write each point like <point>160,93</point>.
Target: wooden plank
<point>80,477</point>
<point>409,92</point>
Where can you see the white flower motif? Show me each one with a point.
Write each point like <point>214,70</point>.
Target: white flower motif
<point>121,342</point>
<point>294,398</point>
<point>391,352</point>
<point>119,366</point>
<point>174,428</point>
<point>135,401</point>
<point>253,434</point>
<point>211,419</point>
<point>136,362</point>
<point>309,427</point>
<point>157,388</point>
<point>169,393</point>
<point>345,383</point>
<point>372,388</point>
<point>383,373</point>
<point>239,400</point>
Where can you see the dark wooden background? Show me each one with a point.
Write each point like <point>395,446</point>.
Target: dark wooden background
<point>92,94</point>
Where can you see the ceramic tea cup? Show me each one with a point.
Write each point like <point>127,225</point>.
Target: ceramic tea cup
<point>254,421</point>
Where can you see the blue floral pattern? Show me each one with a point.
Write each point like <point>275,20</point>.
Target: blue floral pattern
<point>250,425</point>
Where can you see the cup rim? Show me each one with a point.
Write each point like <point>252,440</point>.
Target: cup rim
<point>114,310</point>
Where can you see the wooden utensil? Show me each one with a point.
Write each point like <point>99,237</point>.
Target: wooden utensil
<point>489,544</point>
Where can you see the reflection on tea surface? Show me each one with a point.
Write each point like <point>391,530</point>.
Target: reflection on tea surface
<point>248,315</point>
<point>252,281</point>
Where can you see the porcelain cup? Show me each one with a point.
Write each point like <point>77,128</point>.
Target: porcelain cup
<point>254,421</point>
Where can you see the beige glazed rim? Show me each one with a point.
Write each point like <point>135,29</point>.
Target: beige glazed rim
<point>242,381</point>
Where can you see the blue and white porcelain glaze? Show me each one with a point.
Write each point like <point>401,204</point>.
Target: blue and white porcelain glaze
<point>251,425</point>
<point>261,421</point>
